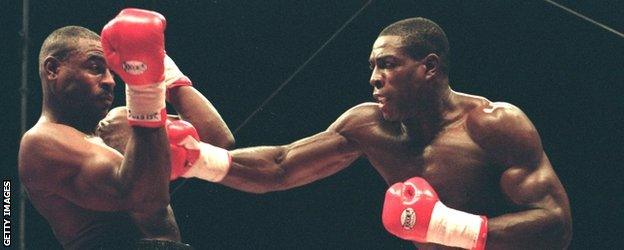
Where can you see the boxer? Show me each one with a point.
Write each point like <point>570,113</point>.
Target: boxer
<point>92,196</point>
<point>463,171</point>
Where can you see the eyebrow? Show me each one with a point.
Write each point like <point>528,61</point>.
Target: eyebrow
<point>96,57</point>
<point>381,58</point>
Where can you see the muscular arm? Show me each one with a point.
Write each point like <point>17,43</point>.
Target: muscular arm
<point>193,107</point>
<point>543,219</point>
<point>60,160</point>
<point>271,168</point>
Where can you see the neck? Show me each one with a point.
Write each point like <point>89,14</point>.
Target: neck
<point>81,122</point>
<point>433,114</point>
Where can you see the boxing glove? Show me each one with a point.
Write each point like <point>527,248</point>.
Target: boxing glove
<point>413,211</point>
<point>133,44</point>
<point>193,158</point>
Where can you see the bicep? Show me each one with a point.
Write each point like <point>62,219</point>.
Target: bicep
<point>531,186</point>
<point>96,183</point>
<point>511,140</point>
<point>529,180</point>
<point>318,156</point>
<point>83,172</point>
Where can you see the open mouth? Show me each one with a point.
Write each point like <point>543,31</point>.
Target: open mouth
<point>382,101</point>
<point>107,97</point>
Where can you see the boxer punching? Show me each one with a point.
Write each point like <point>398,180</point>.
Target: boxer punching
<point>463,171</point>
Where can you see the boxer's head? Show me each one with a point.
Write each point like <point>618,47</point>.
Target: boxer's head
<point>77,84</point>
<point>114,129</point>
<point>408,59</point>
<point>420,37</point>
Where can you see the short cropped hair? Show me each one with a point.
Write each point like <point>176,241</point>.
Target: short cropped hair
<point>63,41</point>
<point>421,36</point>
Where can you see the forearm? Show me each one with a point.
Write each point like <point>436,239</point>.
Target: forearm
<point>256,169</point>
<point>193,107</point>
<point>144,173</point>
<point>264,169</point>
<point>531,229</point>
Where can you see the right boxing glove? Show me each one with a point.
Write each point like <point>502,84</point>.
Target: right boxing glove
<point>133,44</point>
<point>193,158</point>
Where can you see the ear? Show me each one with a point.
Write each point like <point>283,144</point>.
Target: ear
<point>51,67</point>
<point>432,62</point>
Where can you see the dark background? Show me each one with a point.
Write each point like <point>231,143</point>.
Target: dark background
<point>564,72</point>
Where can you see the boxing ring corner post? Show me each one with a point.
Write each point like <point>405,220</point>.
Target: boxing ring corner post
<point>23,116</point>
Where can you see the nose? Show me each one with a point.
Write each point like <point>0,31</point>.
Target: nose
<point>108,81</point>
<point>376,79</point>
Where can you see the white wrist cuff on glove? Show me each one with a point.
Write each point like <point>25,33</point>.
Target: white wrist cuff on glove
<point>172,72</point>
<point>452,227</point>
<point>212,165</point>
<point>146,104</point>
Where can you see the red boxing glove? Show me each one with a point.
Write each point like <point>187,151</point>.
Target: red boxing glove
<point>181,158</point>
<point>413,211</point>
<point>133,44</point>
<point>193,158</point>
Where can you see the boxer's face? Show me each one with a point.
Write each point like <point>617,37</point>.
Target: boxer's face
<point>84,83</point>
<point>114,129</point>
<point>397,79</point>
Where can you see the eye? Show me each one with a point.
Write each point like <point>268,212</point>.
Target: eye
<point>377,84</point>
<point>386,65</point>
<point>96,68</point>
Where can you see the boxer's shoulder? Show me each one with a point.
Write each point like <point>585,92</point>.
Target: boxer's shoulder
<point>497,118</point>
<point>40,136</point>
<point>47,134</point>
<point>51,150</point>
<point>361,116</point>
<point>37,153</point>
<point>503,129</point>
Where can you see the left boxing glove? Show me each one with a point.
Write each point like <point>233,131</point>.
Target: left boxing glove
<point>193,158</point>
<point>413,211</point>
<point>133,44</point>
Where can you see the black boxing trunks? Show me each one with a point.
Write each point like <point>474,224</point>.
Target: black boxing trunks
<point>150,244</point>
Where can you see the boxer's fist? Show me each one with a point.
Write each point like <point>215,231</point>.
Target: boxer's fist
<point>181,158</point>
<point>193,158</point>
<point>134,46</point>
<point>413,211</point>
<point>407,209</point>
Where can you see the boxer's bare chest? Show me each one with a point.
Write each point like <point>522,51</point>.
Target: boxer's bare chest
<point>455,166</point>
<point>70,221</point>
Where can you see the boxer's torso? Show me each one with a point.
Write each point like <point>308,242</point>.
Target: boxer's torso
<point>74,226</point>
<point>460,170</point>
<point>79,228</point>
<point>454,164</point>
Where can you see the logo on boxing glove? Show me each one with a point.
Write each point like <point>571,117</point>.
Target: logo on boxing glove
<point>134,67</point>
<point>151,116</point>
<point>408,218</point>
